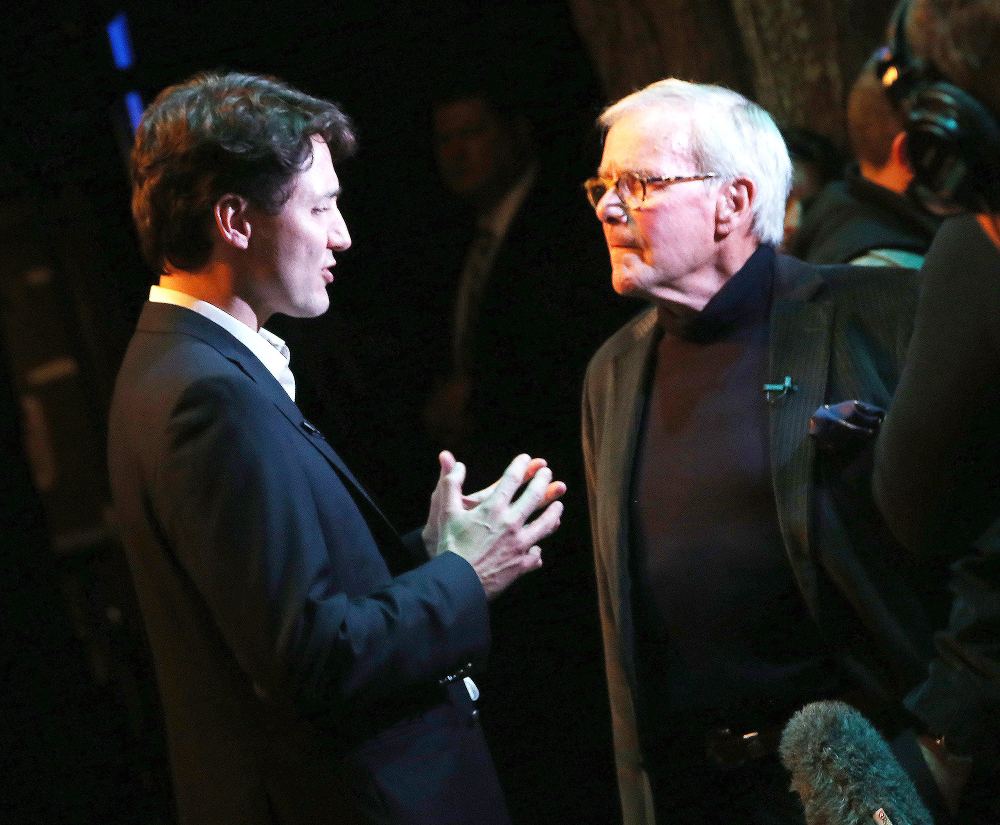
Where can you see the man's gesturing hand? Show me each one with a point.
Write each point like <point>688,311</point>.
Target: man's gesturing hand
<point>490,529</point>
<point>435,519</point>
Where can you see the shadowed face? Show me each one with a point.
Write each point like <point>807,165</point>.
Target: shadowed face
<point>475,148</point>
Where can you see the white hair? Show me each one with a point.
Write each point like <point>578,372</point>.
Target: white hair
<point>728,135</point>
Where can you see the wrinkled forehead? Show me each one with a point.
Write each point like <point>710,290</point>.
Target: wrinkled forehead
<point>646,140</point>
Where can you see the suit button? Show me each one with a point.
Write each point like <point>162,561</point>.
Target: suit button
<point>473,718</point>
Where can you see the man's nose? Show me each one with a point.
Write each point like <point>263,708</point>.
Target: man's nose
<point>339,238</point>
<point>610,209</point>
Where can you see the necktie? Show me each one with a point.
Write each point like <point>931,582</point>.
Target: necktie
<point>472,284</point>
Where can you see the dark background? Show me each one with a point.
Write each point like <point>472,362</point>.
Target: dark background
<point>80,738</point>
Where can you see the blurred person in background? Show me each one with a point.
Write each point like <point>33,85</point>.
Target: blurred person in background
<point>872,217</point>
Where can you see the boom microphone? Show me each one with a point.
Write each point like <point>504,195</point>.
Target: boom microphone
<point>845,772</point>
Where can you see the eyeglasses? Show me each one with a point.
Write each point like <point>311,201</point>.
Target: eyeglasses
<point>631,187</point>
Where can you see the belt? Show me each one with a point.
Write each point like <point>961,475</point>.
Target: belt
<point>364,720</point>
<point>727,749</point>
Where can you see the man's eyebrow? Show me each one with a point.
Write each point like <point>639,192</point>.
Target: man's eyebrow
<point>617,171</point>
<point>333,194</point>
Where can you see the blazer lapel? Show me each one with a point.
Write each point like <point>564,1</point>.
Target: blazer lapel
<point>391,545</point>
<point>801,326</point>
<point>628,384</point>
<point>167,317</point>
<point>276,393</point>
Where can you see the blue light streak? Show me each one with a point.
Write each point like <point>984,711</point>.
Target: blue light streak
<point>134,107</point>
<point>121,42</point>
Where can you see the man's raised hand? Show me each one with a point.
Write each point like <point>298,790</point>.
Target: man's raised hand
<point>491,529</point>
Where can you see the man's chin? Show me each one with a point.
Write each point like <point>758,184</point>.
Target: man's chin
<point>625,284</point>
<point>310,309</point>
<point>318,309</point>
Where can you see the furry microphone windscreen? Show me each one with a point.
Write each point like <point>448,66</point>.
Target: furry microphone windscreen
<point>845,772</point>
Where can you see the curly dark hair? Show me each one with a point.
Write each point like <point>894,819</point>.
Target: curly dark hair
<point>217,133</point>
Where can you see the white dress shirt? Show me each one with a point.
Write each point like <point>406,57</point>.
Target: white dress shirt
<point>270,350</point>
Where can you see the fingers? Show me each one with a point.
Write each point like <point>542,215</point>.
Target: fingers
<point>856,412</point>
<point>473,499</point>
<point>533,467</point>
<point>525,563</point>
<point>531,560</point>
<point>867,419</point>
<point>555,491</point>
<point>532,497</point>
<point>545,525</point>
<point>512,478</point>
<point>870,410</point>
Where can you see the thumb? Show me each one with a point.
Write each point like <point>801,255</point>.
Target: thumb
<point>453,480</point>
<point>447,462</point>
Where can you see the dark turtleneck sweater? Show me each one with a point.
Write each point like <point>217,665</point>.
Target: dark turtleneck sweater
<point>721,632</point>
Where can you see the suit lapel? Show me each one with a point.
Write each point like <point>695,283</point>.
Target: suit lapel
<point>628,384</point>
<point>270,386</point>
<point>166,317</point>
<point>799,347</point>
<point>396,555</point>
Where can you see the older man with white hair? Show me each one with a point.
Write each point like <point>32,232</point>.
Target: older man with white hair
<point>740,568</point>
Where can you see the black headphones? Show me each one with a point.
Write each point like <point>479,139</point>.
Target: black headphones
<point>953,140</point>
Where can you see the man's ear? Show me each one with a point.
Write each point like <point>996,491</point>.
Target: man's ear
<point>232,220</point>
<point>898,151</point>
<point>732,207</point>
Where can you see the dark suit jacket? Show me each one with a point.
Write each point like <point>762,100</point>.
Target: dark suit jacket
<point>299,676</point>
<point>839,333</point>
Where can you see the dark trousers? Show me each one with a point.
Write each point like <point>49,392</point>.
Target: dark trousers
<point>434,769</point>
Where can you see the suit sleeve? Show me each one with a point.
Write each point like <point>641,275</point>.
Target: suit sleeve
<point>274,545</point>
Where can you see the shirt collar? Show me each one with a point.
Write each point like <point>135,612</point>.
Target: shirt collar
<point>269,349</point>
